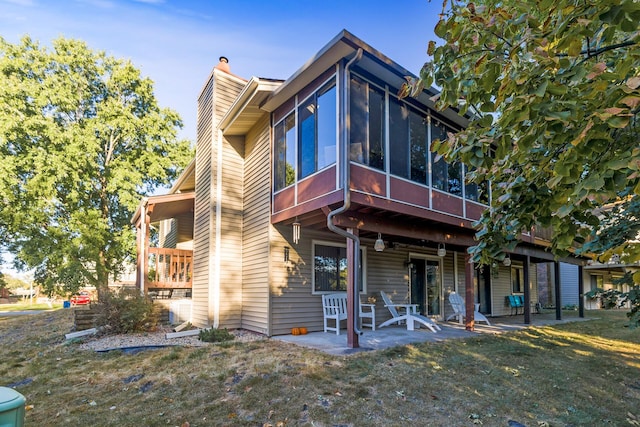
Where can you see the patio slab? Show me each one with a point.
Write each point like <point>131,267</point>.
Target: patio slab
<point>393,336</point>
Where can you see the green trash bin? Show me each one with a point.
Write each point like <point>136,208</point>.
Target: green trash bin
<point>11,408</point>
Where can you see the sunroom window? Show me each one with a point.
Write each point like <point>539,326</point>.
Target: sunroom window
<point>408,133</point>
<point>367,125</point>
<point>285,154</point>
<point>317,132</point>
<point>330,268</point>
<point>445,176</point>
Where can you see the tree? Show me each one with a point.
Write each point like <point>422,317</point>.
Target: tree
<point>82,139</point>
<point>552,90</point>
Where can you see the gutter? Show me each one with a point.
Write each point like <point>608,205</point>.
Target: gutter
<point>346,179</point>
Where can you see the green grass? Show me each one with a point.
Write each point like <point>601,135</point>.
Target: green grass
<point>27,306</point>
<point>578,374</point>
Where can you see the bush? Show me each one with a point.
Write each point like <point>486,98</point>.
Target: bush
<point>126,312</point>
<point>215,335</point>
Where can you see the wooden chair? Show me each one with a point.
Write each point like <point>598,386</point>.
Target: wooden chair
<point>334,307</point>
<point>410,315</point>
<point>367,311</point>
<point>460,310</point>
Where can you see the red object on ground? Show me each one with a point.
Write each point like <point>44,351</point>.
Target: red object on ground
<point>81,299</point>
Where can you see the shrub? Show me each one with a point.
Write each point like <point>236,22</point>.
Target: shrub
<point>215,335</point>
<point>125,312</point>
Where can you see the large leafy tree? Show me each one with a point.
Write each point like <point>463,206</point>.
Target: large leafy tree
<point>82,138</point>
<point>553,89</point>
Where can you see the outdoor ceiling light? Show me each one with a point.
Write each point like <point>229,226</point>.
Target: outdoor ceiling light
<point>506,261</point>
<point>379,245</point>
<point>441,250</point>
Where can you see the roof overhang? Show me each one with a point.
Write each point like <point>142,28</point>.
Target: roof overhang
<point>245,110</point>
<point>345,46</point>
<point>187,179</point>
<point>159,208</point>
<point>623,268</point>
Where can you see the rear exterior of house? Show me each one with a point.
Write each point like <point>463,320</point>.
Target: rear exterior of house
<point>277,161</point>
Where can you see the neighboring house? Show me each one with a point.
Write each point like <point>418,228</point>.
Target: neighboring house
<point>250,222</point>
<point>607,276</point>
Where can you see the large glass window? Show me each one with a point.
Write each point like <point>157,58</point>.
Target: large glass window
<point>399,137</point>
<point>367,125</point>
<point>317,131</point>
<point>285,155</point>
<point>419,147</point>
<point>408,142</point>
<point>445,176</point>
<point>330,268</point>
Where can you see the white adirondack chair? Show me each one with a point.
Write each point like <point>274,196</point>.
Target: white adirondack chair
<point>460,310</point>
<point>410,315</point>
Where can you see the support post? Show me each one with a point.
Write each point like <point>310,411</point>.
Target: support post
<point>145,253</point>
<point>527,291</point>
<point>556,274</point>
<point>580,291</point>
<point>352,290</point>
<point>469,293</point>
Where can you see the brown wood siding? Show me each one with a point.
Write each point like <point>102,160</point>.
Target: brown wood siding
<point>474,210</point>
<point>368,181</point>
<point>444,202</point>
<point>322,183</point>
<point>320,202</point>
<point>255,239</point>
<point>283,110</point>
<point>408,192</point>
<point>315,85</point>
<point>202,208</point>
<point>284,199</point>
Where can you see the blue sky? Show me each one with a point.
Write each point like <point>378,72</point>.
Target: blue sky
<point>177,42</point>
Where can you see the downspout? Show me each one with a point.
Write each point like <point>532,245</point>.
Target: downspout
<point>346,179</point>
<point>142,247</point>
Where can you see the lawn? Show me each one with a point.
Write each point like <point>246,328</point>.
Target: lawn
<point>575,374</point>
<point>27,306</point>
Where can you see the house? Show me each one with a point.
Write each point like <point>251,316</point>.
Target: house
<point>324,183</point>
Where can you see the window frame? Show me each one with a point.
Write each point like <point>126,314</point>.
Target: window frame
<point>520,277</point>
<point>363,263</point>
<point>367,153</point>
<point>294,145</point>
<point>312,99</point>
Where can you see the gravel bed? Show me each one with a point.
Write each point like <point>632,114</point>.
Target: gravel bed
<point>156,338</point>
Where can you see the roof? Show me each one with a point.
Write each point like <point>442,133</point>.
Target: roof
<point>345,45</point>
<point>164,207</point>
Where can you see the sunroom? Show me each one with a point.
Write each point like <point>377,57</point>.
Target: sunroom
<point>353,158</point>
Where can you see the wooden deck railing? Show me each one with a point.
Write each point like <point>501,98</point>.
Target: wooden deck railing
<point>170,268</point>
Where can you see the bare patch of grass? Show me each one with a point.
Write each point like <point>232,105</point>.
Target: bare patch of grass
<point>582,373</point>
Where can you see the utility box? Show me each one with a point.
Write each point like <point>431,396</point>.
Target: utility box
<point>11,408</point>
<point>179,312</point>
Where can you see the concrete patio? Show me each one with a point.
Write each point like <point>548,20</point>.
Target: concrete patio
<point>399,335</point>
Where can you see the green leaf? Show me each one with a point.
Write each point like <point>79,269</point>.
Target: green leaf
<point>541,89</point>
<point>441,29</point>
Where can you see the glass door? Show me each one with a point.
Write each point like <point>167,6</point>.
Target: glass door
<point>426,286</point>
